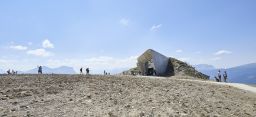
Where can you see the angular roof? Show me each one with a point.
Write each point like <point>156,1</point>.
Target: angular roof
<point>147,55</point>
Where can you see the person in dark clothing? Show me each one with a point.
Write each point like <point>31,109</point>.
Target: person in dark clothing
<point>81,70</point>
<point>219,76</point>
<point>217,79</point>
<point>40,70</point>
<point>225,76</point>
<point>87,71</point>
<point>9,72</point>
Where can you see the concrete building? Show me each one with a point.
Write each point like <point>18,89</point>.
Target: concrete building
<point>153,63</point>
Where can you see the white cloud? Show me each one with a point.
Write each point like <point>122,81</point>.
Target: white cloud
<point>179,51</point>
<point>216,58</point>
<point>30,43</point>
<point>222,52</point>
<point>155,28</point>
<point>47,44</point>
<point>124,21</point>
<point>19,47</point>
<point>40,52</point>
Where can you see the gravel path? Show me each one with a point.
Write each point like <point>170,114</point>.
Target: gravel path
<point>237,85</point>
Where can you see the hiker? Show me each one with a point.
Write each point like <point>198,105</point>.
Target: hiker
<point>105,72</point>
<point>8,72</point>
<point>81,70</point>
<point>225,76</point>
<point>217,79</point>
<point>87,71</point>
<point>40,70</point>
<point>219,76</point>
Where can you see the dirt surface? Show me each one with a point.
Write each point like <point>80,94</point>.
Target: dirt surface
<point>115,96</point>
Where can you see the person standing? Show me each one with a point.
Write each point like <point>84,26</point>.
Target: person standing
<point>87,71</point>
<point>219,76</point>
<point>40,70</point>
<point>225,76</point>
<point>81,70</point>
<point>9,72</point>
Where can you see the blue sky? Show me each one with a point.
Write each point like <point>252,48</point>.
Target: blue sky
<point>110,34</point>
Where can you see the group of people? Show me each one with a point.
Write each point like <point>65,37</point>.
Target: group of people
<point>106,73</point>
<point>11,72</point>
<point>87,70</point>
<point>219,77</point>
<point>40,70</point>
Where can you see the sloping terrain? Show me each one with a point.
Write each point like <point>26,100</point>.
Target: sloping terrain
<point>184,69</point>
<point>175,68</point>
<point>114,96</point>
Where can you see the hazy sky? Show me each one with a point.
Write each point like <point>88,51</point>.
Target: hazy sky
<point>110,34</point>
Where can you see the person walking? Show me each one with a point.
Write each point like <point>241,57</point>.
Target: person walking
<point>225,76</point>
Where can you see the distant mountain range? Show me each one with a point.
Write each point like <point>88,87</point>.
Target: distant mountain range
<point>240,74</point>
<point>59,70</point>
<point>48,70</point>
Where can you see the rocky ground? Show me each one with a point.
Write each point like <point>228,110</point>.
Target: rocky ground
<point>115,96</point>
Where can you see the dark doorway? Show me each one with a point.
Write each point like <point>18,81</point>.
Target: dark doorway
<point>150,72</point>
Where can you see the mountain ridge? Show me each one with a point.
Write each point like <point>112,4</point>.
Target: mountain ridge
<point>58,70</point>
<point>47,70</point>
